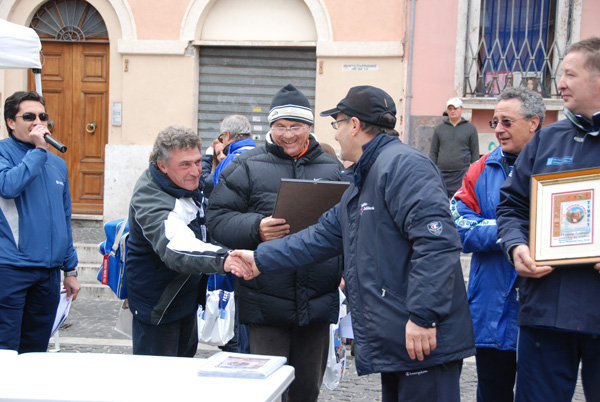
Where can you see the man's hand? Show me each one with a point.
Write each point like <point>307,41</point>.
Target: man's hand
<point>419,341</point>
<point>72,285</point>
<point>36,136</point>
<point>272,228</point>
<point>524,264</point>
<point>237,266</point>
<point>597,267</point>
<point>248,257</point>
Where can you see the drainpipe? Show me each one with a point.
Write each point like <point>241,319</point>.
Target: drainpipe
<point>409,78</point>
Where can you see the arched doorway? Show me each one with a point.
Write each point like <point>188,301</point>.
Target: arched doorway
<point>75,85</point>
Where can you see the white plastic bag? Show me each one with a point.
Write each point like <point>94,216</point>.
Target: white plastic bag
<point>336,359</point>
<point>124,320</point>
<point>216,321</point>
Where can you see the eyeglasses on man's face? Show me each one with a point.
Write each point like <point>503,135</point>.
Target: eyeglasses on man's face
<point>335,124</point>
<point>504,122</point>
<point>29,116</point>
<point>294,129</point>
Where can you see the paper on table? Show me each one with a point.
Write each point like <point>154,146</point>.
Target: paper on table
<point>64,305</point>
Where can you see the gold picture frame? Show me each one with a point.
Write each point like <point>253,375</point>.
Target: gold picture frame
<point>564,217</point>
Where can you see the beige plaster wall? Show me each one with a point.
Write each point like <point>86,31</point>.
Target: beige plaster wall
<point>335,76</point>
<point>157,91</point>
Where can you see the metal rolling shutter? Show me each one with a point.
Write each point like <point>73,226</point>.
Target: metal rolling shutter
<point>243,80</point>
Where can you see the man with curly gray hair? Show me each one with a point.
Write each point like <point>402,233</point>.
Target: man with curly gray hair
<point>168,247</point>
<point>493,282</point>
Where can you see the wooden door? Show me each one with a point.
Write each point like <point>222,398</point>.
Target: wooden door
<point>75,86</point>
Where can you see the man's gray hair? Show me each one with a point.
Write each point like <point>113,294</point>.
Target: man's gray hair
<point>532,103</point>
<point>173,137</point>
<point>237,125</point>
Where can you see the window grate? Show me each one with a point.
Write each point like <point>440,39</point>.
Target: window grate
<point>519,43</point>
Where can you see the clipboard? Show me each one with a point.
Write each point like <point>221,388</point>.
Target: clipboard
<point>302,202</point>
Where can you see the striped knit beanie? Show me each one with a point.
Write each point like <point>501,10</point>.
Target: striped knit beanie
<point>290,104</point>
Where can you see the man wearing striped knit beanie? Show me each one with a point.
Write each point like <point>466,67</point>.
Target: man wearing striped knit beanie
<point>287,314</point>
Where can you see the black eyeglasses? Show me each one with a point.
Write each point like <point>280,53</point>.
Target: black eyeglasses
<point>334,124</point>
<point>505,122</point>
<point>31,116</point>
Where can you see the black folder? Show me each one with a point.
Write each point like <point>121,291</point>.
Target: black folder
<point>302,202</point>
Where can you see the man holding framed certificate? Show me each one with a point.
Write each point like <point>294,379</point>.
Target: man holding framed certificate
<point>559,318</point>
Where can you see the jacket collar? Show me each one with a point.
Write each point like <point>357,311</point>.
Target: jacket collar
<point>371,151</point>
<point>590,127</point>
<point>234,146</point>
<point>25,145</point>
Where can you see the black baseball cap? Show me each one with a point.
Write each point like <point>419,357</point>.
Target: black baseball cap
<point>366,103</point>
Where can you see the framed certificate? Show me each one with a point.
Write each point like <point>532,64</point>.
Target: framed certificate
<point>565,226</point>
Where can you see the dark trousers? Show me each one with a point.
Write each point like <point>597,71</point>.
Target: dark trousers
<point>439,383</point>
<point>178,338</point>
<point>28,301</point>
<point>496,373</point>
<point>548,362</point>
<point>306,350</point>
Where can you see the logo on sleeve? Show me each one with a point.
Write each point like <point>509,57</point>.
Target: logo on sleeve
<point>435,228</point>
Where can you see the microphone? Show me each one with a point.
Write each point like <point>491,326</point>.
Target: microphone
<point>50,140</point>
<point>55,143</point>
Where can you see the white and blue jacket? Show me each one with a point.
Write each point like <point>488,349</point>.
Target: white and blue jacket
<point>492,289</point>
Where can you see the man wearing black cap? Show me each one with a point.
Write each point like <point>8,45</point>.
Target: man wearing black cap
<point>401,253</point>
<point>288,314</point>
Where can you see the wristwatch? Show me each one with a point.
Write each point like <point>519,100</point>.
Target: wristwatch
<point>71,273</point>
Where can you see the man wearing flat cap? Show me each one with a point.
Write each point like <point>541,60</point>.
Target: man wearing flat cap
<point>288,314</point>
<point>401,254</point>
<point>454,146</point>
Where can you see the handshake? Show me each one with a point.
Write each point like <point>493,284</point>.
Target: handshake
<point>241,263</point>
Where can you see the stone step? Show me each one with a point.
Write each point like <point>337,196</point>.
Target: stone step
<point>88,253</point>
<point>96,291</point>
<point>88,273</point>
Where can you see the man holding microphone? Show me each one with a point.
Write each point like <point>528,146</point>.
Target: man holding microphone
<point>36,240</point>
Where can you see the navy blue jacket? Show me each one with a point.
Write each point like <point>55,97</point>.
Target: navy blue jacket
<point>401,258</point>
<point>567,298</point>
<point>493,281</point>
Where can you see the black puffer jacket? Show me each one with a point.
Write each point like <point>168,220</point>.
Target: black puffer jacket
<point>246,193</point>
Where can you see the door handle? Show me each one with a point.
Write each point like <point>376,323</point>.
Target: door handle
<point>91,127</point>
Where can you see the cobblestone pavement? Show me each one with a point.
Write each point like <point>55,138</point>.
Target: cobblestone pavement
<point>89,328</point>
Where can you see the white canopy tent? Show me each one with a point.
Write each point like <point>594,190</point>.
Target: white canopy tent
<point>20,48</point>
